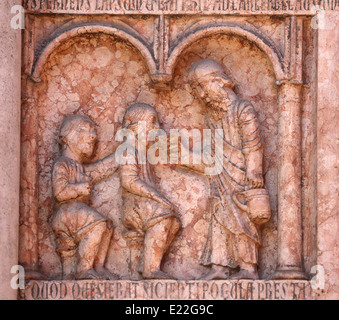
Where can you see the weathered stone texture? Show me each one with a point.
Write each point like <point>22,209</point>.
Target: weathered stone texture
<point>10,91</point>
<point>327,155</point>
<point>100,76</point>
<point>97,64</point>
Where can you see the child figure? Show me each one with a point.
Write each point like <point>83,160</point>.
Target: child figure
<point>150,218</point>
<point>82,234</point>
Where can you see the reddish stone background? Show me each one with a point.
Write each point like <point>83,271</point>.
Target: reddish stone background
<point>100,76</point>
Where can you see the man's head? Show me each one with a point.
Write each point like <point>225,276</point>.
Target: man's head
<point>210,83</point>
<point>78,133</point>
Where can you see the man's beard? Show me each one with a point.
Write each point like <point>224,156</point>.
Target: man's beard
<point>215,106</point>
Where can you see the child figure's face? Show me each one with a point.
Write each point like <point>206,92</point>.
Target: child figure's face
<point>83,141</point>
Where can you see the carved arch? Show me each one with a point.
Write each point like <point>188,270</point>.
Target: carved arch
<point>245,31</point>
<point>193,34</point>
<point>42,55</point>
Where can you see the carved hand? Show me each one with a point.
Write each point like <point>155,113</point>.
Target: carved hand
<point>85,188</point>
<point>255,180</point>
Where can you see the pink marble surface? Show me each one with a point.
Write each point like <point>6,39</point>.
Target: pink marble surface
<point>100,76</point>
<point>327,155</point>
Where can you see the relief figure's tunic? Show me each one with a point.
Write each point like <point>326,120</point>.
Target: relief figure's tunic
<point>139,211</point>
<point>73,218</point>
<point>232,236</point>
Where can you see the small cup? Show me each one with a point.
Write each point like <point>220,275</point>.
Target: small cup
<point>257,205</point>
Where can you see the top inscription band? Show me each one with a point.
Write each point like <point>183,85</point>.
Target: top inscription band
<point>178,7</point>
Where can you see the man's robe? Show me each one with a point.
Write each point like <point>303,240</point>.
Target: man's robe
<point>232,236</point>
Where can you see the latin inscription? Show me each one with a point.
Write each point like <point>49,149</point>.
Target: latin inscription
<point>167,290</point>
<point>177,6</point>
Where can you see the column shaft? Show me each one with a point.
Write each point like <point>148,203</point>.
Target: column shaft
<point>29,206</point>
<point>289,196</point>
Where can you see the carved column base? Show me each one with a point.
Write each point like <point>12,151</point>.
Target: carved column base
<point>289,273</point>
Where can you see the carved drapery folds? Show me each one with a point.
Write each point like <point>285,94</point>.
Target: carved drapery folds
<point>161,53</point>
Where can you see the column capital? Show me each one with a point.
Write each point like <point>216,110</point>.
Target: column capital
<point>291,82</point>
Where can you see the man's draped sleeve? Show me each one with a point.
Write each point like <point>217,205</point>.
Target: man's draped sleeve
<point>131,182</point>
<point>102,169</point>
<point>251,135</point>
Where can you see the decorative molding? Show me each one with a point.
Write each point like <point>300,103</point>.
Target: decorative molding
<point>177,7</point>
<point>162,56</point>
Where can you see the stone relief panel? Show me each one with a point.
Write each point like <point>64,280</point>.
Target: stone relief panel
<point>85,77</point>
<point>99,76</point>
<point>150,219</point>
<point>226,49</point>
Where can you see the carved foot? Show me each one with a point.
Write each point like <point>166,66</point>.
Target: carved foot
<point>216,273</point>
<point>158,274</point>
<point>68,277</point>
<point>34,275</point>
<point>245,274</point>
<point>135,277</point>
<point>106,274</point>
<point>90,274</point>
<point>288,275</point>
